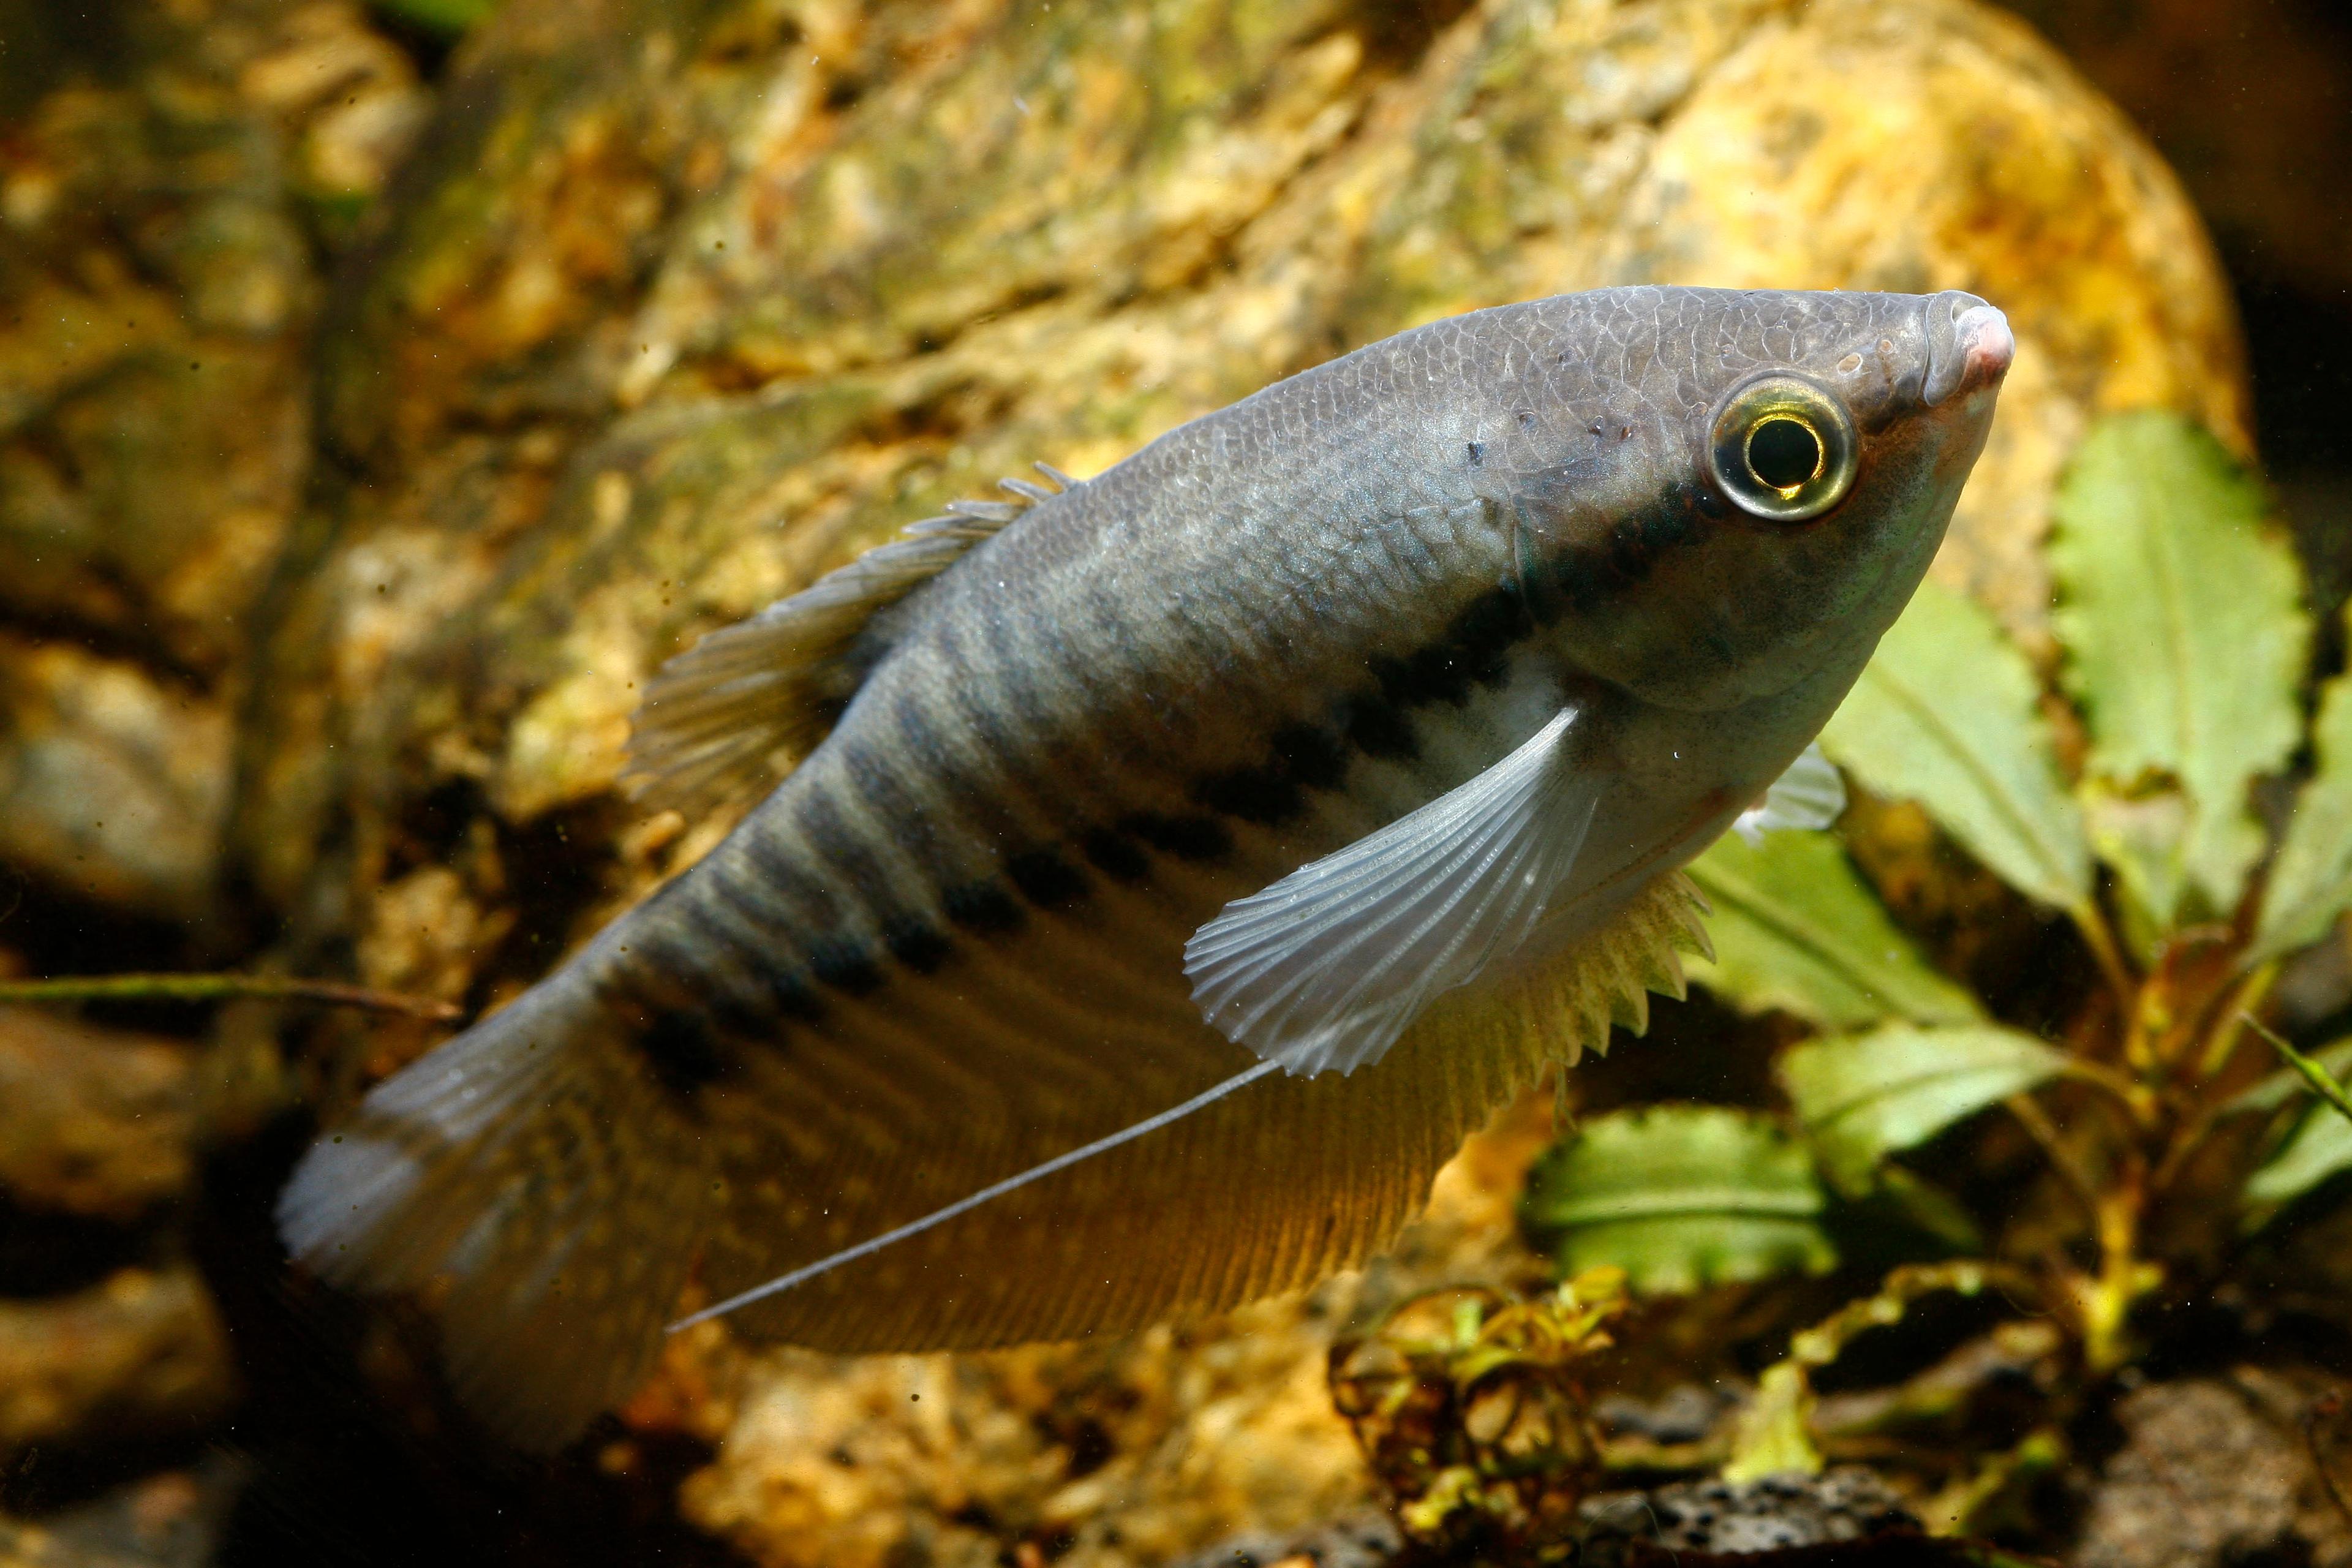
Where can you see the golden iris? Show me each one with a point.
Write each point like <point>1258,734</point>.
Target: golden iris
<point>1783,448</point>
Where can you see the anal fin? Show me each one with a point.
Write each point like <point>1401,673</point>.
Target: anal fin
<point>1262,1182</point>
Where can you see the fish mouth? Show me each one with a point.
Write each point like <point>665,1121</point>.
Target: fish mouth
<point>1970,346</point>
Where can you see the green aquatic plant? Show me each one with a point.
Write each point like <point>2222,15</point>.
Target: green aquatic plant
<point>2114,786</point>
<point>1473,1410</point>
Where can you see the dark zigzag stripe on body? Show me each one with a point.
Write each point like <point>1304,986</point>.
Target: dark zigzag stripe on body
<point>689,1045</point>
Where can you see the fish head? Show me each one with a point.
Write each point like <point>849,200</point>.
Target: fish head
<point>1770,479</point>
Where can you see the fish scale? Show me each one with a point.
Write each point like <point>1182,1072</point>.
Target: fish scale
<point>1361,727</point>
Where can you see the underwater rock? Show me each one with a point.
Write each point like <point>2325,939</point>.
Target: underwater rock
<point>112,782</point>
<point>1759,1518</point>
<point>2216,1470</point>
<point>174,1519</point>
<point>2272,110</point>
<point>678,306</point>
<point>143,1353</point>
<point>1684,1522</point>
<point>166,178</point>
<point>92,1123</point>
<point>1368,1540</point>
<point>1135,1450</point>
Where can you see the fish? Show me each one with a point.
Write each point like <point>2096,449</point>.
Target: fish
<point>1153,877</point>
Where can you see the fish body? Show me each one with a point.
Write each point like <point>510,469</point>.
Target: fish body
<point>1351,727</point>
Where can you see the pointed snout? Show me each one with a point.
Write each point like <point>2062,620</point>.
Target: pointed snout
<point>1970,346</point>
<point>1985,347</point>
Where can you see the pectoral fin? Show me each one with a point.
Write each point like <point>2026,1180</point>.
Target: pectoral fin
<point>1809,795</point>
<point>1327,967</point>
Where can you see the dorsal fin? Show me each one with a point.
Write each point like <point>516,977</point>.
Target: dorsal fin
<point>728,716</point>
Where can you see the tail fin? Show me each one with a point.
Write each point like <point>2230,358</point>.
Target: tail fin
<point>540,1194</point>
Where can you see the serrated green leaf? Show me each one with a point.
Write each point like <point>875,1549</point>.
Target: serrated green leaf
<point>2181,618</point>
<point>1796,929</point>
<point>1679,1196</point>
<point>2311,881</point>
<point>2321,1147</point>
<point>1861,1097</point>
<point>1947,715</point>
<point>2140,837</point>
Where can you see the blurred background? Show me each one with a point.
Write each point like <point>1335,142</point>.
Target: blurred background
<point>386,388</point>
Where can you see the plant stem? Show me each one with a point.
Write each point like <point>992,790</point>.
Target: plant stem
<point>2100,940</point>
<point>2322,1082</point>
<point>1953,1511</point>
<point>2138,1102</point>
<point>222,987</point>
<point>2102,1301</point>
<point>2062,1160</point>
<point>2184,1145</point>
<point>2139,1051</point>
<point>2122,1277</point>
<point>2237,1006</point>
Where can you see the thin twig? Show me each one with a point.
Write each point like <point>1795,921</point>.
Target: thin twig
<point>223,987</point>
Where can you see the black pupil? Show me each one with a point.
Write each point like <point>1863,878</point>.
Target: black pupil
<point>1783,454</point>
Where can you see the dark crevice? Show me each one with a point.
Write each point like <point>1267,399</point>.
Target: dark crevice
<point>2299,344</point>
<point>48,1478</point>
<point>56,931</point>
<point>1397,34</point>
<point>556,871</point>
<point>125,642</point>
<point>944,416</point>
<point>48,1254</point>
<point>429,49</point>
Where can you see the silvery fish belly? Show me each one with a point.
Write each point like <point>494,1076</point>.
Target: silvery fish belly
<point>1359,728</point>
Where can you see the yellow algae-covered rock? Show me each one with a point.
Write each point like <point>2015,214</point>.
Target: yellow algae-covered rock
<point>1134,1451</point>
<point>683,304</point>
<point>93,1121</point>
<point>140,1353</point>
<point>112,781</point>
<point>165,174</point>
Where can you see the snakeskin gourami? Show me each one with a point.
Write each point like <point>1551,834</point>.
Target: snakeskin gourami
<point>1329,761</point>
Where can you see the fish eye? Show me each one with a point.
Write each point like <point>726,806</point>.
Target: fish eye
<point>1783,448</point>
